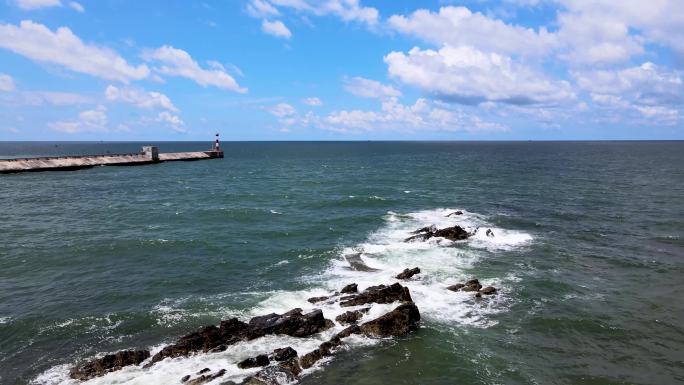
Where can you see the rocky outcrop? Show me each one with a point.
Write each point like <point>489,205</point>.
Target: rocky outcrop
<point>109,363</point>
<point>204,378</point>
<point>454,233</point>
<point>489,290</point>
<point>254,362</point>
<point>317,299</point>
<point>213,338</point>
<point>378,294</point>
<point>398,322</point>
<point>473,285</point>
<point>284,354</point>
<point>350,289</point>
<point>408,273</point>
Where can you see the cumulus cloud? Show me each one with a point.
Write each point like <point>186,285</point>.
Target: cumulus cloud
<point>139,98</point>
<point>62,47</point>
<point>458,26</point>
<point>282,110</point>
<point>173,121</point>
<point>313,101</point>
<point>468,76</point>
<point>88,121</point>
<point>275,28</point>
<point>176,62</point>
<point>367,88</point>
<point>76,6</point>
<point>347,10</point>
<point>6,83</point>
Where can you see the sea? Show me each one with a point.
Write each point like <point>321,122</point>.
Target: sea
<point>587,256</point>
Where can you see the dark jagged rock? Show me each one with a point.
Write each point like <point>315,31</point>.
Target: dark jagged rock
<point>456,287</point>
<point>378,294</point>
<point>356,263</point>
<point>489,233</point>
<point>310,358</point>
<point>284,354</point>
<point>273,375</point>
<point>489,290</point>
<point>472,285</point>
<point>253,362</point>
<point>185,378</point>
<point>327,347</point>
<point>350,289</point>
<point>206,378</point>
<point>408,273</point>
<point>427,229</point>
<point>109,363</point>
<point>354,329</point>
<point>206,339</point>
<point>458,212</point>
<point>317,299</point>
<point>291,365</point>
<point>454,233</point>
<point>205,370</point>
<point>292,323</point>
<point>398,322</point>
<point>350,317</point>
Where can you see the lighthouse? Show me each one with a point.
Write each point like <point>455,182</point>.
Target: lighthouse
<point>217,145</point>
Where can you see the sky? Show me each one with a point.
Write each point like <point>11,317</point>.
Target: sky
<point>120,70</point>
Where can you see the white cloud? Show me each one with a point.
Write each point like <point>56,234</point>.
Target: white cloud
<point>6,83</point>
<point>88,121</point>
<point>37,4</point>
<point>466,75</point>
<point>140,98</point>
<point>172,121</point>
<point>367,88</point>
<point>347,10</point>
<point>275,28</point>
<point>656,93</point>
<point>62,47</point>
<point>261,8</point>
<point>76,6</point>
<point>176,62</point>
<point>282,110</point>
<point>313,101</point>
<point>38,98</point>
<point>458,26</point>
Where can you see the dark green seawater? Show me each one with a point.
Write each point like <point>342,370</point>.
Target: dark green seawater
<point>588,255</point>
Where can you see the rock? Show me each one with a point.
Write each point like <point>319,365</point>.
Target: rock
<point>185,378</point>
<point>292,365</point>
<point>273,375</point>
<point>206,377</point>
<point>478,295</point>
<point>356,263</point>
<point>205,370</point>
<point>454,233</point>
<point>284,354</point>
<point>458,212</point>
<point>489,233</point>
<point>489,290</point>
<point>456,287</point>
<point>427,229</point>
<point>327,347</point>
<point>317,299</point>
<point>354,329</point>
<point>253,362</point>
<point>108,363</point>
<point>206,339</point>
<point>408,273</point>
<point>378,294</point>
<point>310,358</point>
<point>350,317</point>
<point>398,322</point>
<point>349,289</point>
<point>292,323</point>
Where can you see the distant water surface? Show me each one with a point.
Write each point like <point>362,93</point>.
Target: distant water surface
<point>588,254</point>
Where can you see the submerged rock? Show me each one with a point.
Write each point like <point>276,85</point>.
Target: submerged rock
<point>489,290</point>
<point>457,212</point>
<point>398,322</point>
<point>317,299</point>
<point>206,378</point>
<point>408,273</point>
<point>253,362</point>
<point>378,294</point>
<point>273,375</point>
<point>108,363</point>
<point>454,233</point>
<point>356,263</point>
<point>456,287</point>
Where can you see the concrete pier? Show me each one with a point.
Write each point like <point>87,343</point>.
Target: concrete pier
<point>149,155</point>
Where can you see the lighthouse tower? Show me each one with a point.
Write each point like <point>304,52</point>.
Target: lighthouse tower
<point>217,145</point>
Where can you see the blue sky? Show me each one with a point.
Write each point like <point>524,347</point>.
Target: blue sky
<point>341,69</point>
